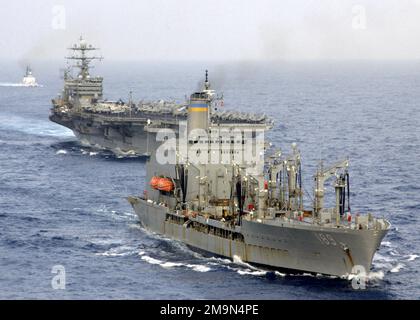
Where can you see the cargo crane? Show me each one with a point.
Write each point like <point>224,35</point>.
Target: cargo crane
<point>321,176</point>
<point>285,181</point>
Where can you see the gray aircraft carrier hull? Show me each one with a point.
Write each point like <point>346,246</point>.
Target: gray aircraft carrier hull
<point>139,145</point>
<point>305,248</point>
<point>120,138</point>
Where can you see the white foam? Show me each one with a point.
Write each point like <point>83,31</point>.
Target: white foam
<point>121,251</point>
<point>397,268</point>
<point>198,267</point>
<point>168,264</point>
<point>376,275</point>
<point>250,269</point>
<point>135,226</point>
<point>257,273</point>
<point>165,265</point>
<point>219,260</point>
<point>373,275</point>
<point>305,274</point>
<point>113,254</point>
<point>238,260</point>
<point>61,152</point>
<point>11,84</point>
<point>151,260</point>
<point>386,244</point>
<point>253,273</point>
<point>412,257</point>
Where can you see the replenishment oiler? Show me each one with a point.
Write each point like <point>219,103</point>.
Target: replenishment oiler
<point>125,128</point>
<point>218,188</point>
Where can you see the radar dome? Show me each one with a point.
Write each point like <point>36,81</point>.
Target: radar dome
<point>83,43</point>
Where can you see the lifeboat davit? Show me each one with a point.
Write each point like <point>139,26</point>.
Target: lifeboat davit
<point>165,184</point>
<point>154,182</point>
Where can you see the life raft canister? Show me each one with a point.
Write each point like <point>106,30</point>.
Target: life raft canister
<point>165,184</point>
<point>154,182</point>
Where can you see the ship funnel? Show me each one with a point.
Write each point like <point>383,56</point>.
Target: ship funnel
<point>199,111</point>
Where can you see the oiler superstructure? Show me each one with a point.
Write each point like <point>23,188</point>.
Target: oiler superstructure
<point>215,188</point>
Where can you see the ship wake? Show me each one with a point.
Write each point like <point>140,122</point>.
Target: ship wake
<point>10,84</point>
<point>169,254</point>
<point>33,126</point>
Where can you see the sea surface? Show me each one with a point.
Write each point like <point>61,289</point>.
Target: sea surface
<point>62,204</point>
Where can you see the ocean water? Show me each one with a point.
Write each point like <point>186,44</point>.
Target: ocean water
<point>64,204</point>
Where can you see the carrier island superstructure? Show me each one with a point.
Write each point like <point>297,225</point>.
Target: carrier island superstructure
<point>125,128</point>
<point>202,190</point>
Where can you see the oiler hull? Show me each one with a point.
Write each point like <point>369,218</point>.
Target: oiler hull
<point>310,249</point>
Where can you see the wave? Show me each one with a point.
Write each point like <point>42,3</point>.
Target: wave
<point>397,268</point>
<point>253,273</point>
<point>412,257</point>
<point>248,269</point>
<point>121,251</point>
<point>170,264</point>
<point>386,244</point>
<point>391,259</point>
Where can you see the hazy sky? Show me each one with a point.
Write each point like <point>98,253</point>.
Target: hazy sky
<point>213,29</point>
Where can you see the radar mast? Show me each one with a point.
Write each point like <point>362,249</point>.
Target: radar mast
<point>80,53</point>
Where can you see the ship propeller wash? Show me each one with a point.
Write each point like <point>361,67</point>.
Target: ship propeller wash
<point>218,188</point>
<point>125,128</point>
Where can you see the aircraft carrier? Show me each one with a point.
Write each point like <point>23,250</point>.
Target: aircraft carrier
<point>218,188</point>
<point>125,128</point>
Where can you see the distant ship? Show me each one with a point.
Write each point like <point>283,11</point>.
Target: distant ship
<point>29,80</point>
<point>124,128</point>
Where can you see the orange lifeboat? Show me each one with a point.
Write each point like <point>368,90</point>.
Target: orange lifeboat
<point>154,182</point>
<point>165,184</point>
